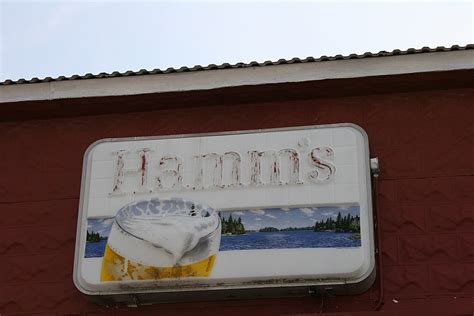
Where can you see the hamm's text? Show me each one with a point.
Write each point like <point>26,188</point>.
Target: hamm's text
<point>219,170</point>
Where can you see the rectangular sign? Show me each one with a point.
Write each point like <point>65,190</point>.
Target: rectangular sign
<point>268,208</point>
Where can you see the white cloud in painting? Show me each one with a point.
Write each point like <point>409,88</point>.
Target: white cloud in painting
<point>270,215</point>
<point>107,222</point>
<point>330,213</point>
<point>258,211</point>
<point>101,226</point>
<point>255,226</point>
<point>286,209</point>
<point>257,219</point>
<point>238,213</point>
<point>343,208</point>
<point>307,211</point>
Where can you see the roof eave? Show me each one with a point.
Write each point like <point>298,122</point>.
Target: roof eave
<point>281,72</point>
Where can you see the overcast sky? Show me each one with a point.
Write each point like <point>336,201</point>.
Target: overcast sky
<point>52,38</point>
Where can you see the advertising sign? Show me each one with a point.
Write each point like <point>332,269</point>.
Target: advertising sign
<point>240,210</point>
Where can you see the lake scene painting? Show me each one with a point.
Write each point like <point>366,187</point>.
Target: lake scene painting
<point>271,228</point>
<point>283,228</point>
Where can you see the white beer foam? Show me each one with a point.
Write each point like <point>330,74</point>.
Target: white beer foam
<point>161,232</point>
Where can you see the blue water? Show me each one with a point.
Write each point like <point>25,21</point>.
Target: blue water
<point>269,240</point>
<point>287,239</point>
<point>95,249</point>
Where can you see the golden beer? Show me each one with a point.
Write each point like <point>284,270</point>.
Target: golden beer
<point>157,239</point>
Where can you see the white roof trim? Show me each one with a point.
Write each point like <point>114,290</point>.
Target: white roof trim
<point>211,79</point>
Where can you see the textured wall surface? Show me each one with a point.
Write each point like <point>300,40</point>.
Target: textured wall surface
<point>424,140</point>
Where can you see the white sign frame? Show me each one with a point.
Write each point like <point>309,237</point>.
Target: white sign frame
<point>356,277</point>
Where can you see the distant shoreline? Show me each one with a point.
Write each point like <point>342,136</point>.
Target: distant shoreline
<point>290,230</point>
<point>96,241</point>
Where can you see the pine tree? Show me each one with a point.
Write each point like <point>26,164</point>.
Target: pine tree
<point>232,226</point>
<point>346,223</point>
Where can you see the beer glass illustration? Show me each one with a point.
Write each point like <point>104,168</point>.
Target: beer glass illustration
<point>157,239</point>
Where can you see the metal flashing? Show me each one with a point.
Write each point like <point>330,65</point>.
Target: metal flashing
<point>295,60</point>
<point>252,74</point>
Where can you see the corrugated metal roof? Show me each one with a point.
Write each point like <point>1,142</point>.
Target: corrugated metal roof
<point>115,74</point>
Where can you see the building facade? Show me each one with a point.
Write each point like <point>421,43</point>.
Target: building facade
<point>415,106</point>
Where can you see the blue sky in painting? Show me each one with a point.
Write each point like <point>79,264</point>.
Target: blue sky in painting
<point>289,217</point>
<point>100,225</point>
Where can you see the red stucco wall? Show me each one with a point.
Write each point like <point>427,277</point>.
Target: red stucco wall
<point>423,138</point>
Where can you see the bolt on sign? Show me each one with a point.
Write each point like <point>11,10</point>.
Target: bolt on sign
<point>285,210</point>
